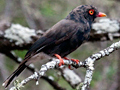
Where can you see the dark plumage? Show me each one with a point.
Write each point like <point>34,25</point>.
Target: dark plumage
<point>64,37</point>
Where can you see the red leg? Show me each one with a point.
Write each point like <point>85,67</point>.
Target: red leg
<point>61,60</point>
<point>66,58</point>
<point>75,60</point>
<point>69,66</point>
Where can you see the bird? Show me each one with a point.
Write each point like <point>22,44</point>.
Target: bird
<point>62,38</point>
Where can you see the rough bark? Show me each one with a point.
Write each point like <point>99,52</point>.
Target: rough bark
<point>19,37</point>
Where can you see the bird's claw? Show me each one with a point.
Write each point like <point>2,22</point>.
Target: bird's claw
<point>61,60</point>
<point>61,63</point>
<point>75,60</point>
<point>69,66</point>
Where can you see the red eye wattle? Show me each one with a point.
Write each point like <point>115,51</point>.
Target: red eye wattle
<point>91,12</point>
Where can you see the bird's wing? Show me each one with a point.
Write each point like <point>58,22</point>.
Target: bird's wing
<point>60,32</point>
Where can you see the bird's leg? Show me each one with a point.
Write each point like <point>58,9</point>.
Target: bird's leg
<point>66,58</point>
<point>61,60</point>
<point>69,66</point>
<point>75,60</point>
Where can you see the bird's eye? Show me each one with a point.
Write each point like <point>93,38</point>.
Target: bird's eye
<point>91,12</point>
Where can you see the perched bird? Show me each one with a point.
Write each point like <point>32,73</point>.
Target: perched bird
<point>63,38</point>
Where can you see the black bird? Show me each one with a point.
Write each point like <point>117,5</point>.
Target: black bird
<point>63,38</point>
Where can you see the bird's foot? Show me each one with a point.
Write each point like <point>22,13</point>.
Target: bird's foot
<point>75,60</point>
<point>69,66</point>
<point>61,60</point>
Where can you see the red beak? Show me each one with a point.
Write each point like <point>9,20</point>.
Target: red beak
<point>100,14</point>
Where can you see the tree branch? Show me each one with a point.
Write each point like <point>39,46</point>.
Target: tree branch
<point>71,77</point>
<point>88,64</point>
<point>105,29</point>
<point>19,37</point>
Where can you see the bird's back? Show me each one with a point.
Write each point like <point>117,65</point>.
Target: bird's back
<point>69,35</point>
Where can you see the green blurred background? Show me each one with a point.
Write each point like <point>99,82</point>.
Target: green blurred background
<point>50,12</point>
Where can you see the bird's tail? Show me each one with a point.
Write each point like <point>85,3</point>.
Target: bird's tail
<point>14,74</point>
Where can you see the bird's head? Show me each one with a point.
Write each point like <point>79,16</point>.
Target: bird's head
<point>85,12</point>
